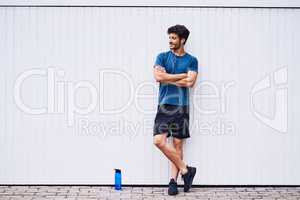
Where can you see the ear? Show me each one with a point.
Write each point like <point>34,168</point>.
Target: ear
<point>182,41</point>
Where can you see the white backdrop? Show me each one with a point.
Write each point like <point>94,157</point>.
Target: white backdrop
<point>78,98</point>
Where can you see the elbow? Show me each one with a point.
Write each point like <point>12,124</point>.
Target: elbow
<point>157,78</point>
<point>186,85</point>
<point>190,84</point>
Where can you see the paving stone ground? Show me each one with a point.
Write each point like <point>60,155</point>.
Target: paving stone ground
<point>146,193</point>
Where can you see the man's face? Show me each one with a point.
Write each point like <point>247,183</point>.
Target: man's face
<point>174,41</point>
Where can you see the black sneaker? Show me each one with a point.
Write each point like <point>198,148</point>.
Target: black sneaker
<point>188,178</point>
<point>172,187</point>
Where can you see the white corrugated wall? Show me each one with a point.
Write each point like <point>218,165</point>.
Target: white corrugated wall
<point>64,70</point>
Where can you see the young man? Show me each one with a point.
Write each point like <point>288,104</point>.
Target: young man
<point>176,71</point>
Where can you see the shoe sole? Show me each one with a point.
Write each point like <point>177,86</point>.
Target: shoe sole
<point>191,181</point>
<point>172,194</point>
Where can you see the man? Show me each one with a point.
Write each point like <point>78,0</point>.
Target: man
<point>176,71</point>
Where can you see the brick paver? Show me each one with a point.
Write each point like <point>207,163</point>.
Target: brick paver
<point>146,193</point>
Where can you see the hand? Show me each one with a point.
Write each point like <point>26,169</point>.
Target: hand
<point>160,68</point>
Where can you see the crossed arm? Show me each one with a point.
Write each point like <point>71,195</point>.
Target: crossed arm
<point>181,80</point>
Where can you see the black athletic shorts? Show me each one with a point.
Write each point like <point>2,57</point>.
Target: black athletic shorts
<point>172,119</point>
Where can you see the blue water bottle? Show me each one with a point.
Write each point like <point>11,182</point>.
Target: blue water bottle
<point>118,179</point>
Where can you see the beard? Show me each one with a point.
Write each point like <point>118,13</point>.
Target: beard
<point>174,46</point>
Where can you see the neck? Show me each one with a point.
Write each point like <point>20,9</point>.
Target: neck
<point>179,52</point>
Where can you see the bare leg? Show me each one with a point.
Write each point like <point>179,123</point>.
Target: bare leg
<point>170,152</point>
<point>178,144</point>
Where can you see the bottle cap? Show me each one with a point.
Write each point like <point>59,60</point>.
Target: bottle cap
<point>118,170</point>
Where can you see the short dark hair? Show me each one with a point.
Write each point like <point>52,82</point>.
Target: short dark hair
<point>180,30</point>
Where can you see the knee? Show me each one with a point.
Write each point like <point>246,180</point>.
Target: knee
<point>158,141</point>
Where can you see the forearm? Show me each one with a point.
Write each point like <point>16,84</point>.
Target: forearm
<point>181,80</point>
<point>185,82</point>
<point>170,78</point>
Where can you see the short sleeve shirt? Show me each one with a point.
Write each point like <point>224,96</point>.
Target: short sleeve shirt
<point>173,64</point>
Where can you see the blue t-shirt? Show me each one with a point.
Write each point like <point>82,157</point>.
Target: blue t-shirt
<point>173,64</point>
